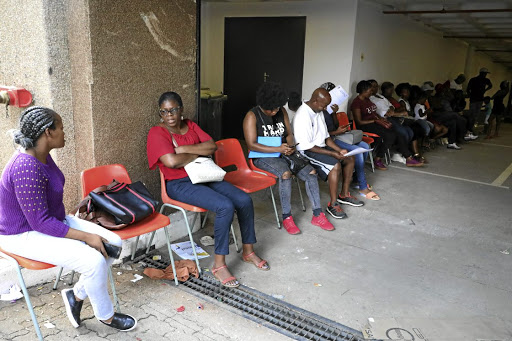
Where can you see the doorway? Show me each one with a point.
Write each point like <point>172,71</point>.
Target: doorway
<point>256,50</point>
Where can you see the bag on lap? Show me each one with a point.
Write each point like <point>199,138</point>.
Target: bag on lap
<point>202,169</point>
<point>351,137</point>
<point>296,162</point>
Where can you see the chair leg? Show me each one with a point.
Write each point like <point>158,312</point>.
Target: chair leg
<point>114,293</point>
<point>135,248</point>
<point>204,219</point>
<point>275,208</point>
<point>194,219</point>
<point>29,303</point>
<point>234,238</point>
<point>371,161</point>
<point>70,282</point>
<point>170,255</point>
<point>58,278</point>
<point>150,241</point>
<point>300,194</point>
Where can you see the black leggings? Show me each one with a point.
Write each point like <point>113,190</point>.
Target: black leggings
<point>389,138</point>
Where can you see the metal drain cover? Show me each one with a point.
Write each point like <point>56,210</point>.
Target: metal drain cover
<point>284,318</point>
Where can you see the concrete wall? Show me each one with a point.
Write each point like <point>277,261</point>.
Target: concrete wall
<point>330,29</point>
<point>393,48</point>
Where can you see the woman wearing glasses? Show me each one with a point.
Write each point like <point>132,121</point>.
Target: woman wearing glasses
<point>170,146</point>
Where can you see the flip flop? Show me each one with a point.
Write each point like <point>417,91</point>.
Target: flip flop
<point>260,265</point>
<point>370,195</point>
<point>229,279</point>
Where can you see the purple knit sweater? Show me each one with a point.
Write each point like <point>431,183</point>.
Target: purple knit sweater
<point>31,197</point>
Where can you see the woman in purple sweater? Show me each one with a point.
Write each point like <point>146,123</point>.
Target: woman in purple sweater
<point>34,225</point>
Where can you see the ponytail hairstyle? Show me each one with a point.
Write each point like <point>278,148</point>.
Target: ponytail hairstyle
<point>33,122</point>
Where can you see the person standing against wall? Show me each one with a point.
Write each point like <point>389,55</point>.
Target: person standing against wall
<point>477,87</point>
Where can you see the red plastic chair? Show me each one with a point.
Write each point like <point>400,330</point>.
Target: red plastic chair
<point>20,262</point>
<point>103,175</point>
<point>387,154</point>
<point>261,171</point>
<point>183,207</point>
<point>229,153</point>
<point>343,121</point>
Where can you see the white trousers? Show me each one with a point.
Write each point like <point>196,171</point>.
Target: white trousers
<point>72,254</point>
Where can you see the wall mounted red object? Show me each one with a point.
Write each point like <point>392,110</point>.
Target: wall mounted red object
<point>17,97</point>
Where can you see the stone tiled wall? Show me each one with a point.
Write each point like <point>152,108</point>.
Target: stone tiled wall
<point>102,65</point>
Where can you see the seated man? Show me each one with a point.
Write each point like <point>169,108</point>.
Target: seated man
<point>325,156</point>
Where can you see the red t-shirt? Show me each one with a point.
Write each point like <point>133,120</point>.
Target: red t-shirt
<point>395,103</point>
<point>367,107</point>
<point>160,143</point>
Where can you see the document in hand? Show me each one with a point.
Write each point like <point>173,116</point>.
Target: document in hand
<point>271,141</point>
<point>338,96</point>
<point>358,151</point>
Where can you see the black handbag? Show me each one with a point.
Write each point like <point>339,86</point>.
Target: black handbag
<point>128,203</point>
<point>296,162</point>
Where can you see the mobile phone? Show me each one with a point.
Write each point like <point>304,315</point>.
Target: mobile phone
<point>113,251</point>
<point>295,145</point>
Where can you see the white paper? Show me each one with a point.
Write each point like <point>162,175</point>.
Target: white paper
<point>137,278</point>
<point>358,151</point>
<point>184,250</point>
<point>13,295</point>
<point>338,96</point>
<point>49,325</point>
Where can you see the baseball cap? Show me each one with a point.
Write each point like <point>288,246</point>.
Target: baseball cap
<point>427,87</point>
<point>485,70</point>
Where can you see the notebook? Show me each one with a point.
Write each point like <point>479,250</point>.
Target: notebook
<point>271,141</point>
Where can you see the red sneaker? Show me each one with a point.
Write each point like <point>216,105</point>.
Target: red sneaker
<point>322,222</point>
<point>289,226</point>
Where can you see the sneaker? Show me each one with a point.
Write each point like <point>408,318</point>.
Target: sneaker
<point>336,211</point>
<point>473,137</point>
<point>350,200</point>
<point>322,222</point>
<point>444,141</point>
<point>122,322</point>
<point>398,158</point>
<point>379,165</point>
<point>411,162</point>
<point>73,307</point>
<point>453,146</point>
<point>289,226</point>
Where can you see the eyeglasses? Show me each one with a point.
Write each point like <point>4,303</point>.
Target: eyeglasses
<point>171,112</point>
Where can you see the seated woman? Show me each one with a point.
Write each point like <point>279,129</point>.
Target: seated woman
<point>335,129</point>
<point>34,225</point>
<point>173,144</point>
<point>269,118</point>
<point>366,116</point>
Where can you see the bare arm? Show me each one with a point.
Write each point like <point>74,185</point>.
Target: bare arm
<point>206,148</point>
<point>357,116</point>
<point>177,160</point>
<point>251,137</point>
<point>93,240</point>
<point>290,139</point>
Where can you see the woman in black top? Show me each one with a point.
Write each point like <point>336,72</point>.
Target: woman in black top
<point>498,109</point>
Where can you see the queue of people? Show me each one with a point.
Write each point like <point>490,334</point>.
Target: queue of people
<point>33,222</point>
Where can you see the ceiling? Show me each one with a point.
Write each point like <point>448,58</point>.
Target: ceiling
<point>486,25</point>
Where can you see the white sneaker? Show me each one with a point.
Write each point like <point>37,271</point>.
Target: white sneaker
<point>473,137</point>
<point>398,158</point>
<point>444,140</point>
<point>453,146</point>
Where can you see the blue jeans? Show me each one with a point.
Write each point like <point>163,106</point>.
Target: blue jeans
<point>222,198</point>
<point>401,129</point>
<point>278,167</point>
<point>359,158</point>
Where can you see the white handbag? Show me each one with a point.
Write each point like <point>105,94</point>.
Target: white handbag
<point>202,169</point>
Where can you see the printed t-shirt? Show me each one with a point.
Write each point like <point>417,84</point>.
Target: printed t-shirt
<point>159,143</point>
<point>367,107</point>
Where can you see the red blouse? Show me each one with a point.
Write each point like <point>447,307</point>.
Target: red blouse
<point>159,143</point>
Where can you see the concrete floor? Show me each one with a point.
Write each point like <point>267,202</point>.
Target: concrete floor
<point>430,250</point>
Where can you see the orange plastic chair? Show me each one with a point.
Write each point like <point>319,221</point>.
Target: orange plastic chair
<point>103,175</point>
<point>387,154</point>
<point>229,153</point>
<point>261,171</point>
<point>343,121</point>
<point>20,262</point>
<point>183,207</point>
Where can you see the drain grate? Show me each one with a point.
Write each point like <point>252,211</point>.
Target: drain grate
<point>275,314</point>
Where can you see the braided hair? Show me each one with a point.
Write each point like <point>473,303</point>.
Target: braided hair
<point>33,122</point>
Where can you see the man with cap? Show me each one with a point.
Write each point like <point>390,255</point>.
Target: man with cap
<point>477,87</point>
<point>456,84</point>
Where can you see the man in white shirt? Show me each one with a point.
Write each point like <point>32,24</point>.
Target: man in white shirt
<point>456,84</point>
<point>324,155</point>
